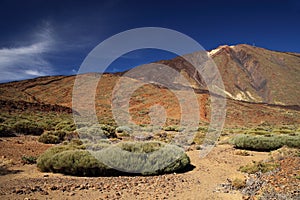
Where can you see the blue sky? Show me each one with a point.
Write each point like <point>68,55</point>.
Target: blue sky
<point>51,37</point>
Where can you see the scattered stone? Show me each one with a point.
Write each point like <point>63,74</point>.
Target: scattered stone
<point>53,187</point>
<point>71,194</point>
<point>44,192</point>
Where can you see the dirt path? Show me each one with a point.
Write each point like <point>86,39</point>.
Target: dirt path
<point>25,181</point>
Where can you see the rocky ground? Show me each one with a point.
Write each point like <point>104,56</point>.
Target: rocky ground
<point>23,181</point>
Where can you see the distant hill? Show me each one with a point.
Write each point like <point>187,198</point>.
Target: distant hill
<point>262,86</point>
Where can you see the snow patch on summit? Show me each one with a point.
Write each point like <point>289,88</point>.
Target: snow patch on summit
<point>214,51</point>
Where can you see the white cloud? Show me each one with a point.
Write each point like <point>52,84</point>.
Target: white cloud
<point>27,61</point>
<point>34,73</point>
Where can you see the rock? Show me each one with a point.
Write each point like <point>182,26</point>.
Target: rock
<point>18,191</point>
<point>118,193</point>
<point>53,187</point>
<point>71,194</point>
<point>44,192</point>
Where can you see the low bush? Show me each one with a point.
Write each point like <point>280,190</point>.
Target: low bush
<point>258,167</point>
<point>108,130</point>
<point>45,126</point>
<point>140,147</point>
<point>6,131</point>
<point>97,132</point>
<point>265,143</point>
<point>79,162</point>
<point>71,136</point>
<point>238,183</point>
<point>199,138</point>
<point>173,128</point>
<point>65,126</point>
<point>202,129</point>
<point>258,132</point>
<point>29,160</point>
<point>49,138</point>
<point>283,131</point>
<point>52,137</point>
<point>2,119</point>
<point>284,152</point>
<point>147,158</point>
<point>96,147</point>
<point>123,131</point>
<point>44,162</point>
<point>27,127</point>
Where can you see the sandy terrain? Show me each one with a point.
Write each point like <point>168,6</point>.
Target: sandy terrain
<point>25,181</point>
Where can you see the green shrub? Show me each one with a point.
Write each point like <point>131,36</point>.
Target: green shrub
<point>97,132</point>
<point>2,119</point>
<point>145,158</point>
<point>202,129</point>
<point>82,124</point>
<point>140,147</point>
<point>96,147</point>
<point>69,136</point>
<point>258,132</point>
<point>65,126</point>
<point>265,143</point>
<point>122,129</point>
<point>49,123</point>
<point>27,127</point>
<point>29,159</point>
<point>44,161</point>
<point>282,131</point>
<point>238,183</point>
<point>108,130</point>
<point>6,131</point>
<point>45,126</point>
<point>49,138</point>
<point>52,137</point>
<point>75,142</point>
<point>79,162</point>
<point>292,141</point>
<point>258,167</point>
<point>199,138</point>
<point>173,128</point>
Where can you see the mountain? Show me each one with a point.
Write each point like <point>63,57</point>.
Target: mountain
<point>261,87</point>
<point>252,74</point>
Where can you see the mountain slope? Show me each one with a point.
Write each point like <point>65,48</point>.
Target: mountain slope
<point>261,85</point>
<point>251,73</point>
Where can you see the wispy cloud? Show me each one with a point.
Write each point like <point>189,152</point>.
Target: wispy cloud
<point>34,73</point>
<point>29,61</point>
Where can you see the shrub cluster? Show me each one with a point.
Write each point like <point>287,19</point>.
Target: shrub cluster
<point>147,158</point>
<point>97,132</point>
<point>52,137</point>
<point>65,125</point>
<point>6,131</point>
<point>27,127</point>
<point>123,131</point>
<point>173,128</point>
<point>265,143</point>
<point>29,160</point>
<point>34,123</point>
<point>258,167</point>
